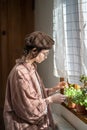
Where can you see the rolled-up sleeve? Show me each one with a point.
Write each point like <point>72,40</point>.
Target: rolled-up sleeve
<point>27,103</point>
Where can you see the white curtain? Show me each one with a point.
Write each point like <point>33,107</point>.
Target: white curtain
<point>69,33</point>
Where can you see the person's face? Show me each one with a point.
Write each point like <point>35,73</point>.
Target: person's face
<point>42,56</point>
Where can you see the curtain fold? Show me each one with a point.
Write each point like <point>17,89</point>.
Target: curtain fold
<point>82,5</point>
<point>58,35</point>
<point>69,33</point>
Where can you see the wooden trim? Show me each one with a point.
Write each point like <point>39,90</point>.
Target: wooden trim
<point>61,79</point>
<point>61,90</point>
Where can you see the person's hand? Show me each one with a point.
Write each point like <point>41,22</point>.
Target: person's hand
<point>56,88</point>
<point>62,85</point>
<point>57,98</point>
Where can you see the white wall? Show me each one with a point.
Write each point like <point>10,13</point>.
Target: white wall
<point>44,22</point>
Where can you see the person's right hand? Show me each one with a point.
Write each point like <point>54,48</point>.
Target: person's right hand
<point>57,98</point>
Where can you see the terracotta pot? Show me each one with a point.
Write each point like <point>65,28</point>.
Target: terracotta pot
<point>80,109</point>
<point>71,105</point>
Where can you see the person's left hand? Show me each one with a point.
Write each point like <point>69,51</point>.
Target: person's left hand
<point>62,85</point>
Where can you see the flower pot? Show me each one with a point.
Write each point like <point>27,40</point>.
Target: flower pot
<point>80,109</point>
<point>71,105</point>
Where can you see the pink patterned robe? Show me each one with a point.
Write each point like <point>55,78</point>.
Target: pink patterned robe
<point>25,108</point>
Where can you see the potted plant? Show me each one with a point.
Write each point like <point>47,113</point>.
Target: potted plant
<point>84,91</point>
<point>76,98</point>
<point>77,95</point>
<point>85,102</point>
<point>83,80</point>
<point>80,99</point>
<point>70,92</point>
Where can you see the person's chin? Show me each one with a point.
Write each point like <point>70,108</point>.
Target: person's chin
<point>40,61</point>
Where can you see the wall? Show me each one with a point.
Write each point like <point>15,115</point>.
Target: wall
<point>44,22</point>
<point>16,20</point>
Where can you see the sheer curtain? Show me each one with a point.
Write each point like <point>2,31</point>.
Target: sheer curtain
<point>69,33</point>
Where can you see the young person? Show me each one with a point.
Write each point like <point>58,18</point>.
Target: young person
<point>27,100</point>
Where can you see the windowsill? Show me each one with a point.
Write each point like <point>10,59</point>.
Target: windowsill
<point>80,116</point>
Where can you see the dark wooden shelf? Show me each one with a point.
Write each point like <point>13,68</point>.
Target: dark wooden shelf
<point>80,116</point>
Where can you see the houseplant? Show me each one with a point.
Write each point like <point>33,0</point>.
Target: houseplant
<point>80,99</point>
<point>78,95</point>
<point>83,80</point>
<point>70,92</point>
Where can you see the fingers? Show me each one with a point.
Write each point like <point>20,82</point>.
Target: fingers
<point>63,98</point>
<point>59,98</point>
<point>63,84</point>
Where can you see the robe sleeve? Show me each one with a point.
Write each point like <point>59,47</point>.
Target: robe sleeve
<point>26,102</point>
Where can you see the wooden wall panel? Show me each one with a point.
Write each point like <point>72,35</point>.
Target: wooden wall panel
<point>3,48</point>
<point>16,20</point>
<point>14,30</point>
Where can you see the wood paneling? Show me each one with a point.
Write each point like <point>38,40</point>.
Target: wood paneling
<point>16,20</point>
<point>3,48</point>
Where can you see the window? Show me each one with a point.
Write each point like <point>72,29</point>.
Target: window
<point>70,35</point>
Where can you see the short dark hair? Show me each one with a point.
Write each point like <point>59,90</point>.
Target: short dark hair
<point>37,41</point>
